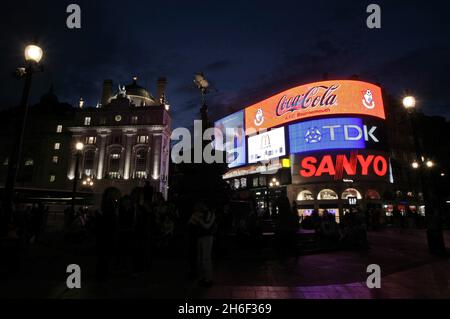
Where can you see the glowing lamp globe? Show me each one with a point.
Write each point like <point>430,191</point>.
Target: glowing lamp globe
<point>79,146</point>
<point>409,102</point>
<point>33,53</point>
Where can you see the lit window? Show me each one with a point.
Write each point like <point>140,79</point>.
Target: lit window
<point>52,178</point>
<point>55,159</point>
<point>305,195</point>
<point>351,192</point>
<point>327,194</point>
<point>6,161</point>
<point>59,129</point>
<point>142,139</point>
<point>87,121</point>
<point>29,162</point>
<point>118,118</point>
<point>114,175</point>
<point>134,120</point>
<point>57,146</point>
<point>91,140</point>
<point>141,175</point>
<point>141,163</point>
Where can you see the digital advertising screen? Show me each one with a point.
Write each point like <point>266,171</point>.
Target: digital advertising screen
<point>334,133</point>
<point>315,99</point>
<point>337,165</point>
<point>231,133</point>
<point>267,145</point>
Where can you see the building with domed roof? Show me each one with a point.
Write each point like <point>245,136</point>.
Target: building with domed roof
<point>126,138</point>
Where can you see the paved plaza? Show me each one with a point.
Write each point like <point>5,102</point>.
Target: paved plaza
<point>243,271</point>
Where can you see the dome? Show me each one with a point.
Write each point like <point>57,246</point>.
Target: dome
<point>137,90</point>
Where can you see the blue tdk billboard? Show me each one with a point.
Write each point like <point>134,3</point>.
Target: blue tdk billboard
<point>331,133</point>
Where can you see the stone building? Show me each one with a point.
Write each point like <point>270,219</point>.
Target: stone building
<point>126,138</point>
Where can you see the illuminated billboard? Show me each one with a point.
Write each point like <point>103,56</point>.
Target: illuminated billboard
<point>231,133</point>
<point>267,145</point>
<point>338,165</point>
<point>332,133</point>
<point>315,99</point>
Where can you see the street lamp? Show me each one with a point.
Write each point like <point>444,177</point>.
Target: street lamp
<point>33,55</point>
<point>88,182</point>
<point>79,150</point>
<point>409,102</point>
<point>435,236</point>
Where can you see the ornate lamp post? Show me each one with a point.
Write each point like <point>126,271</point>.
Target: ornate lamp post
<point>79,149</point>
<point>435,236</point>
<point>33,55</point>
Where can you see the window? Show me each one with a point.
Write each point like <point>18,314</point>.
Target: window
<point>102,121</point>
<point>141,163</point>
<point>142,139</point>
<point>89,157</point>
<point>305,195</point>
<point>57,146</point>
<point>52,178</point>
<point>91,140</point>
<point>134,120</point>
<point>118,118</point>
<point>255,182</point>
<point>29,162</point>
<point>6,161</point>
<point>327,194</point>
<point>114,175</point>
<point>372,194</point>
<point>55,159</point>
<point>87,121</point>
<point>59,129</point>
<point>262,181</point>
<point>351,192</point>
<point>114,164</point>
<point>141,175</point>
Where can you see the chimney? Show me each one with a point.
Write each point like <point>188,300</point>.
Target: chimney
<point>161,89</point>
<point>107,91</point>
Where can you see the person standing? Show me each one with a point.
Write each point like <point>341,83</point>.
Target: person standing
<point>106,231</point>
<point>204,220</point>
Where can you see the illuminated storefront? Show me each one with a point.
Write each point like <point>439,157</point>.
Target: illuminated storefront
<point>323,143</point>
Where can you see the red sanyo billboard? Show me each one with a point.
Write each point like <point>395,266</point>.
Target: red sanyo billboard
<point>337,165</point>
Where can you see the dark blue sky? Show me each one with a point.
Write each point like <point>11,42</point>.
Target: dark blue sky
<point>249,50</point>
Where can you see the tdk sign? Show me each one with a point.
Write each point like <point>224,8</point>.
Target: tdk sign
<point>331,133</point>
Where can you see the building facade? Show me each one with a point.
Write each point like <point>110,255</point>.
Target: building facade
<point>126,139</point>
<point>46,143</point>
<point>329,145</point>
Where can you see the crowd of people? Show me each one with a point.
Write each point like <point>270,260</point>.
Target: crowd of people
<point>128,229</point>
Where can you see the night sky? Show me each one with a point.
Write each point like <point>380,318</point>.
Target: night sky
<point>248,50</point>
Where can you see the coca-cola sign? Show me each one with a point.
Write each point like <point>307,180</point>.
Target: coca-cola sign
<point>317,96</point>
<point>315,99</point>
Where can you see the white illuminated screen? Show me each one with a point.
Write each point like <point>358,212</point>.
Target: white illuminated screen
<point>231,133</point>
<point>266,146</point>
